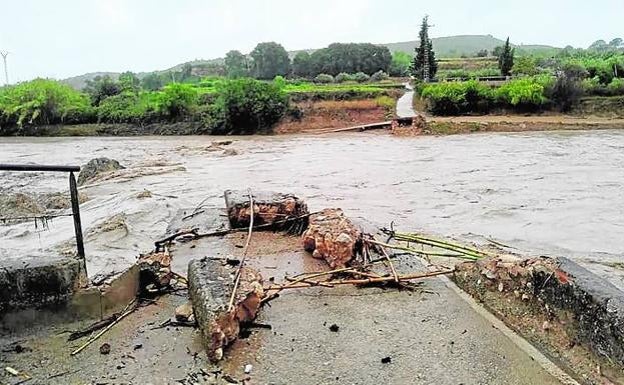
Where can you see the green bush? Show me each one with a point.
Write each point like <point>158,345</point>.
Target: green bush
<point>176,100</point>
<point>523,93</point>
<point>616,87</point>
<point>454,98</point>
<point>246,106</point>
<point>324,79</point>
<point>379,76</point>
<point>129,107</point>
<point>43,101</point>
<point>361,77</point>
<point>343,77</point>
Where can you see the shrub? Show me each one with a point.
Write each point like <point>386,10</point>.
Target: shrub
<point>279,81</point>
<point>176,100</point>
<point>343,77</point>
<point>324,78</point>
<point>43,101</point>
<point>246,106</point>
<point>523,93</point>
<point>379,76</point>
<point>455,98</point>
<point>129,107</point>
<point>361,77</point>
<point>616,87</point>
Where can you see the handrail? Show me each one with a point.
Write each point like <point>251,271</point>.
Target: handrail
<point>73,191</point>
<point>38,167</point>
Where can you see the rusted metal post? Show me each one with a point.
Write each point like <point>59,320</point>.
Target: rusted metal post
<point>75,203</point>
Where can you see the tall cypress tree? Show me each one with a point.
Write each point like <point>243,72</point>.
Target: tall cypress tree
<point>424,64</point>
<point>506,59</point>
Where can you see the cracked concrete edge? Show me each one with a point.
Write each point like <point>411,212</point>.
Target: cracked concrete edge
<point>548,365</point>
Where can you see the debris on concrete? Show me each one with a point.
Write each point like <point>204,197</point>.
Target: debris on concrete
<point>553,301</point>
<point>105,348</point>
<point>408,126</point>
<point>155,270</point>
<point>333,237</point>
<point>248,368</point>
<point>211,283</point>
<point>184,313</point>
<point>97,167</point>
<point>269,208</point>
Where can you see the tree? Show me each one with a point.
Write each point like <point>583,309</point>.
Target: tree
<point>617,43</point>
<point>400,64</point>
<point>152,82</point>
<point>497,51</point>
<point>101,87</point>
<point>236,64</point>
<point>506,59</point>
<point>599,45</point>
<point>350,58</point>
<point>302,65</point>
<point>270,60</point>
<point>525,65</point>
<point>246,106</point>
<point>129,82</point>
<point>482,53</point>
<point>424,66</point>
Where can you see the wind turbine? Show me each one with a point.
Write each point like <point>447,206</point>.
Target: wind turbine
<point>6,71</point>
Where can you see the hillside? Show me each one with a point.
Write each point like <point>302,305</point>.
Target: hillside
<point>444,47</point>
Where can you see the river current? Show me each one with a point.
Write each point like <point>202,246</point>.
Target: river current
<point>545,193</point>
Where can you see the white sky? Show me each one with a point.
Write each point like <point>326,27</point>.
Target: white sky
<point>62,38</point>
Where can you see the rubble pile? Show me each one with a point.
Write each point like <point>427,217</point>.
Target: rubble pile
<point>333,237</point>
<point>268,208</point>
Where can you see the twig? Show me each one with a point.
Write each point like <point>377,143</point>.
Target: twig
<point>394,273</point>
<point>126,312</point>
<point>402,278</point>
<point>414,251</point>
<point>240,267</point>
<point>220,233</point>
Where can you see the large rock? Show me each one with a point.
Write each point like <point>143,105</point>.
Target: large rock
<point>269,207</point>
<point>97,167</point>
<point>210,285</point>
<point>333,237</point>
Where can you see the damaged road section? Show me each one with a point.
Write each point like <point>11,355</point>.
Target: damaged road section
<point>574,315</point>
<point>211,284</point>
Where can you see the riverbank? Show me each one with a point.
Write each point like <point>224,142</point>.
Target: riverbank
<point>319,117</point>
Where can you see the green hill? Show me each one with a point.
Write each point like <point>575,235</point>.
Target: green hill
<point>444,47</point>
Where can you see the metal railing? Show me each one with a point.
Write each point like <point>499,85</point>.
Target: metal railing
<point>73,191</point>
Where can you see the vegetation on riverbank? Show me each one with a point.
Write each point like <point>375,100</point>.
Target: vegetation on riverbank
<point>216,105</point>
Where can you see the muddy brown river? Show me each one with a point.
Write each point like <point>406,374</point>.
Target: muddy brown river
<point>545,193</point>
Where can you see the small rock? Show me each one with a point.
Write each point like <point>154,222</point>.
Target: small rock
<point>334,328</point>
<point>546,326</point>
<point>137,346</point>
<point>248,368</point>
<point>501,287</point>
<point>105,348</point>
<point>386,360</point>
<point>184,312</point>
<point>525,297</point>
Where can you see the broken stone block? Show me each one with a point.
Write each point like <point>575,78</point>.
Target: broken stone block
<point>211,283</point>
<point>269,207</point>
<point>155,269</point>
<point>333,237</point>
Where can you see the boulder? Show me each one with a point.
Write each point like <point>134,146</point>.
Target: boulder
<point>96,167</point>
<point>333,237</point>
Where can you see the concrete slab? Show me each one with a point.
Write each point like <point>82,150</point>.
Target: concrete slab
<point>430,338</point>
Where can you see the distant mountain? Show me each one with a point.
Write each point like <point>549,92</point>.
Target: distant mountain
<point>444,47</point>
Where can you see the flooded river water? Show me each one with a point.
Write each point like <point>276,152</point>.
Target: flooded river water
<point>546,193</point>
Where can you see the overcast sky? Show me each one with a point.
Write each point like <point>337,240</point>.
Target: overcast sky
<point>63,38</point>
